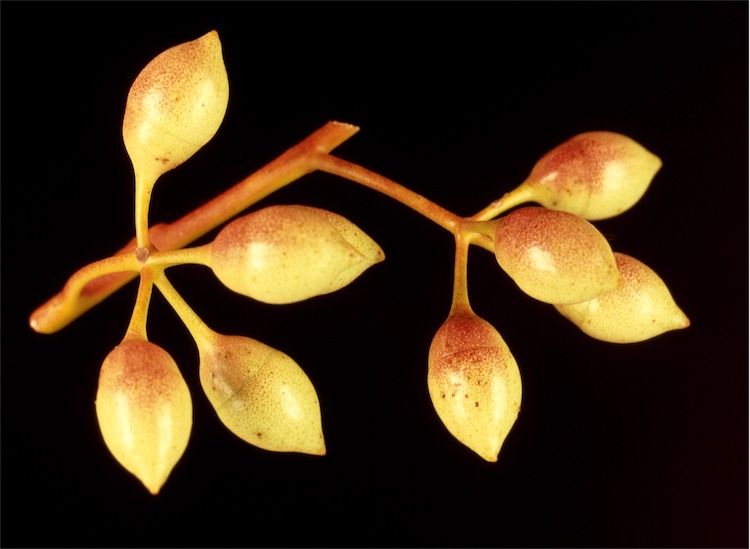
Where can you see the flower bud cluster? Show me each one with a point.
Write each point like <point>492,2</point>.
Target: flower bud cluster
<point>289,253</point>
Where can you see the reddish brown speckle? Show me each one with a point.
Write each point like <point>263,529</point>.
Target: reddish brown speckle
<point>141,369</point>
<point>467,343</point>
<point>579,161</point>
<point>464,331</point>
<point>554,256</point>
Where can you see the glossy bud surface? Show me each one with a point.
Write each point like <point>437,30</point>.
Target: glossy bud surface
<point>474,383</point>
<point>595,175</point>
<point>261,395</point>
<point>641,307</point>
<point>175,105</point>
<point>144,410</point>
<point>283,254</point>
<point>554,256</point>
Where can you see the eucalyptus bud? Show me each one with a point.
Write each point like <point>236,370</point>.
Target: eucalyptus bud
<point>639,308</point>
<point>261,394</point>
<point>595,175</point>
<point>144,410</point>
<point>474,382</point>
<point>175,106</point>
<point>554,256</point>
<point>283,254</point>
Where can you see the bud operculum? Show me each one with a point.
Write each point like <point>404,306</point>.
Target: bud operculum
<point>144,410</point>
<point>639,308</point>
<point>474,382</point>
<point>261,395</point>
<point>175,105</point>
<point>284,254</point>
<point>554,256</point>
<point>596,175</point>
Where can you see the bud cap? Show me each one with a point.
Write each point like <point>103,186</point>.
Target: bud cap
<point>639,308</point>
<point>261,395</point>
<point>474,383</point>
<point>596,175</point>
<point>175,105</point>
<point>284,254</point>
<point>144,410</point>
<point>554,256</point>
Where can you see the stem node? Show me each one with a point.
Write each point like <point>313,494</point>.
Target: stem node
<point>142,253</point>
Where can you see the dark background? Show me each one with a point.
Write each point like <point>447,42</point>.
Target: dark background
<point>616,445</point>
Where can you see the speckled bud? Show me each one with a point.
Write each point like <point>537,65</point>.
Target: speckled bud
<point>595,175</point>
<point>283,254</point>
<point>554,256</point>
<point>144,410</point>
<point>640,308</point>
<point>474,383</point>
<point>175,105</point>
<point>261,395</point>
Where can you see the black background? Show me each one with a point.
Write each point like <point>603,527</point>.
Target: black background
<point>616,445</point>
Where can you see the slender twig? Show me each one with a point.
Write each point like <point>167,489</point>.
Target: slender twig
<point>201,333</point>
<point>519,195</point>
<point>309,155</point>
<point>420,204</point>
<point>375,181</point>
<point>137,326</point>
<point>51,316</point>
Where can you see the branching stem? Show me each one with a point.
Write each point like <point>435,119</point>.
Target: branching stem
<point>519,195</point>
<point>143,188</point>
<point>161,245</point>
<point>61,309</point>
<point>460,283</point>
<point>201,333</point>
<point>137,326</point>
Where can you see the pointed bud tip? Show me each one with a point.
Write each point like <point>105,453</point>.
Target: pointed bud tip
<point>490,451</point>
<point>491,458</point>
<point>379,256</point>
<point>681,320</point>
<point>315,449</point>
<point>657,161</point>
<point>153,487</point>
<point>321,451</point>
<point>211,39</point>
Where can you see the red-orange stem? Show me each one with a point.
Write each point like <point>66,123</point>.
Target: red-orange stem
<point>294,163</point>
<point>309,155</point>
